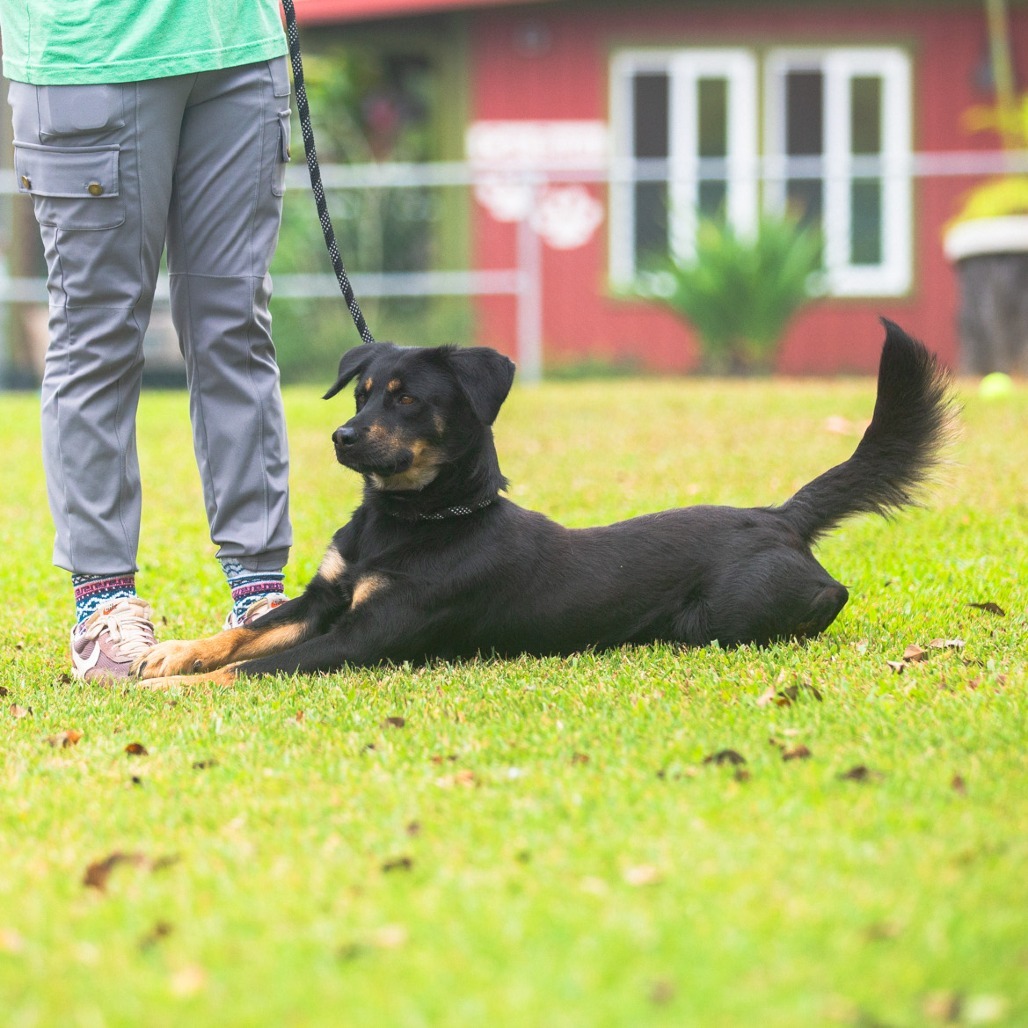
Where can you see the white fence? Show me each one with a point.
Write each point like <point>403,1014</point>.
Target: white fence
<point>523,280</point>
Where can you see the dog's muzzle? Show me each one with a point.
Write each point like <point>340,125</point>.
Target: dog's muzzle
<point>353,450</point>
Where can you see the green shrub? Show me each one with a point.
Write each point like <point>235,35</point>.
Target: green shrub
<point>740,289</point>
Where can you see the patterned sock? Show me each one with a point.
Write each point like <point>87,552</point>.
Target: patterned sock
<point>93,591</point>
<point>249,586</point>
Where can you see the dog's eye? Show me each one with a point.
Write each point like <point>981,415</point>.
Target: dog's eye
<point>361,400</point>
<point>405,399</point>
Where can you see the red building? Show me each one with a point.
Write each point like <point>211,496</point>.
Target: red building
<point>852,111</point>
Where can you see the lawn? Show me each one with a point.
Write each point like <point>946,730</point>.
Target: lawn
<point>819,834</point>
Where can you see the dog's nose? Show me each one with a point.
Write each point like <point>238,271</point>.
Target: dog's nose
<point>344,436</point>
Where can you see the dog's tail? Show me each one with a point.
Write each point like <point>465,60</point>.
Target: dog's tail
<point>913,414</point>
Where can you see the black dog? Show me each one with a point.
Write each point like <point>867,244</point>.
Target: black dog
<point>435,563</point>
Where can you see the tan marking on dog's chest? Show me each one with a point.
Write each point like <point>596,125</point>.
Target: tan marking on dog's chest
<point>332,566</point>
<point>367,586</point>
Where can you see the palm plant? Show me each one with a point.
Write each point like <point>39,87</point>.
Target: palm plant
<point>741,288</point>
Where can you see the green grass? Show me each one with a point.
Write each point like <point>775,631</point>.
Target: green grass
<point>541,842</point>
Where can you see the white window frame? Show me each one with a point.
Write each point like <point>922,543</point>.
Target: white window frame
<point>738,66</point>
<point>685,67</point>
<point>839,66</point>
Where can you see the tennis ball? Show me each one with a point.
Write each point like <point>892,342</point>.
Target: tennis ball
<point>995,384</point>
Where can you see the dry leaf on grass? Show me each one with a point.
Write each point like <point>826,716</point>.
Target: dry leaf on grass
<point>98,873</point>
<point>393,722</point>
<point>861,773</point>
<point>917,654</point>
<point>18,712</point>
<point>943,1006</point>
<point>397,864</point>
<point>990,608</point>
<point>136,749</point>
<point>799,752</point>
<point>789,694</point>
<point>725,757</point>
<point>62,740</point>
<point>161,930</point>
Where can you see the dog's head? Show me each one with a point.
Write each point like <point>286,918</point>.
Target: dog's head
<point>417,409</point>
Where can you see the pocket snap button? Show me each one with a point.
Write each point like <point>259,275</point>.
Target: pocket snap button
<point>95,189</point>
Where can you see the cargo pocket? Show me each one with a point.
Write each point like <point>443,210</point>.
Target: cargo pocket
<point>278,182</point>
<point>72,188</point>
<point>79,110</point>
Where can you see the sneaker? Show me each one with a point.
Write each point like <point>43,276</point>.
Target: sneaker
<point>265,605</point>
<point>109,640</point>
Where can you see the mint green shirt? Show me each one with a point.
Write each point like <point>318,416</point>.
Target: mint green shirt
<point>79,42</point>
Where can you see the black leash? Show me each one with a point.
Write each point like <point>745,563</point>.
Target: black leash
<point>303,107</point>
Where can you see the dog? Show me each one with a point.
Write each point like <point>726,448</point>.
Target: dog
<point>435,563</point>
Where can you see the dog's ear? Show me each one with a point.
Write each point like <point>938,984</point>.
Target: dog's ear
<point>353,362</point>
<point>485,376</point>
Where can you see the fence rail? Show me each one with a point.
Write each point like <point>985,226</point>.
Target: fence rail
<point>522,281</point>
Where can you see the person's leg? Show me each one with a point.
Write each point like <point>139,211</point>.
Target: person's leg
<point>223,228</point>
<point>98,165</point>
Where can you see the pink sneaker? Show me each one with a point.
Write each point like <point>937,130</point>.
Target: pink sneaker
<point>265,605</point>
<point>109,640</point>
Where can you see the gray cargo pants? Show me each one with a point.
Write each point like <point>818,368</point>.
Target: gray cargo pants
<point>115,171</point>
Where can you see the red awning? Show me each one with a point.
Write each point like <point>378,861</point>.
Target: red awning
<point>367,10</point>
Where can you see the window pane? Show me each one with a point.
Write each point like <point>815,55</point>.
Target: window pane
<point>651,220</point>
<point>805,200</point>
<point>712,144</point>
<point>712,196</point>
<point>866,115</point>
<point>712,101</point>
<point>804,113</point>
<point>841,117</point>
<point>804,137</point>
<point>866,225</point>
<point>650,115</point>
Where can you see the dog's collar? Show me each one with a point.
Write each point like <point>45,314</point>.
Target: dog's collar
<point>459,511</point>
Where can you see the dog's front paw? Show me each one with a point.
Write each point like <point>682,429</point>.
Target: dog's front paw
<point>223,676</point>
<point>176,657</point>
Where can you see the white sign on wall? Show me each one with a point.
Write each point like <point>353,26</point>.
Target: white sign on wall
<point>508,159</point>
